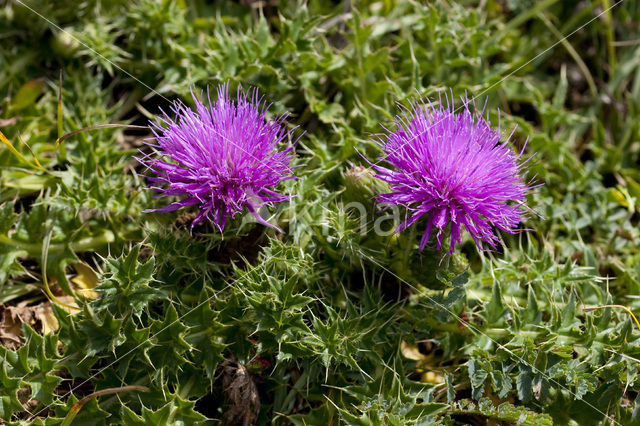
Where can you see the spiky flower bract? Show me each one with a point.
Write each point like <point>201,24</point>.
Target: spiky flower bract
<point>222,157</point>
<point>455,169</point>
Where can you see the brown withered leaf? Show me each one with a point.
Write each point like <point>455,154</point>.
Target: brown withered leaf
<point>10,327</point>
<point>40,317</point>
<point>242,393</point>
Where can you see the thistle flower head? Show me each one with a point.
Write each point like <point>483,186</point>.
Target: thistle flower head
<point>454,169</point>
<point>222,157</point>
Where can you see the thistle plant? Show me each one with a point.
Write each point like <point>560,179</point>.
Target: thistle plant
<point>222,157</point>
<point>335,321</point>
<point>455,169</point>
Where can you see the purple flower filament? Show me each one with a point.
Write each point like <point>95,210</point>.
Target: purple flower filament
<point>454,169</point>
<point>222,157</point>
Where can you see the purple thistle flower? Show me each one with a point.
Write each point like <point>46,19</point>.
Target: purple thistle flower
<point>454,167</point>
<point>223,157</point>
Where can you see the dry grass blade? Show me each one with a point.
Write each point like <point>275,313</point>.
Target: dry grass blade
<point>98,126</point>
<point>593,308</point>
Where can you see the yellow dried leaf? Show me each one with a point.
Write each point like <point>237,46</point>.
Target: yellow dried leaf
<point>616,196</point>
<point>44,314</point>
<point>86,279</point>
<point>432,377</point>
<point>411,352</point>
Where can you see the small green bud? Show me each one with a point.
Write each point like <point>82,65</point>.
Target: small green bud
<point>64,45</point>
<point>360,184</point>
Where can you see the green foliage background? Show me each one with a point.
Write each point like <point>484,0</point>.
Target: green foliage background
<point>321,320</point>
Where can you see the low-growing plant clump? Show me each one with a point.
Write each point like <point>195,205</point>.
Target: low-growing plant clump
<point>319,212</point>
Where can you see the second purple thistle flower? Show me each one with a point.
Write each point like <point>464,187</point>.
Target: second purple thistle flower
<point>222,157</point>
<point>454,169</point>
